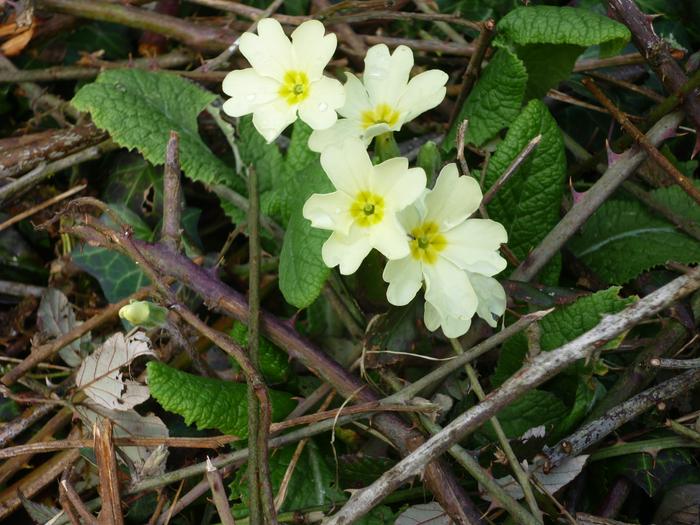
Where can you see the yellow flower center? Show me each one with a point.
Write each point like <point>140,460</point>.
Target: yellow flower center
<point>427,242</point>
<point>368,209</point>
<point>381,114</point>
<point>295,87</point>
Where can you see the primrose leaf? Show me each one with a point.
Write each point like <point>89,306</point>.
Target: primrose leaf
<point>139,109</point>
<point>495,100</point>
<point>207,402</point>
<point>528,203</point>
<point>623,239</point>
<point>274,363</point>
<point>549,39</point>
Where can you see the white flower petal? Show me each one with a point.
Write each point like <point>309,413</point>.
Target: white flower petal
<point>474,244</point>
<point>270,51</point>
<point>248,90</point>
<point>451,326</point>
<point>399,184</point>
<point>347,252</point>
<point>312,50</point>
<point>329,211</point>
<point>405,278</point>
<point>424,91</point>
<point>377,129</point>
<point>448,289</point>
<point>271,119</point>
<point>386,75</point>
<point>348,166</point>
<point>343,129</point>
<point>325,96</point>
<point>453,198</point>
<point>356,98</point>
<point>492,297</point>
<point>389,237</point>
<point>410,217</point>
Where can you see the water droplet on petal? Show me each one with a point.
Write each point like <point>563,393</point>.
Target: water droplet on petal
<point>337,211</point>
<point>250,97</point>
<point>374,74</point>
<point>322,106</point>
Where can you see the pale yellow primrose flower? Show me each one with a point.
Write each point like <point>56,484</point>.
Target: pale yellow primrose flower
<point>384,100</point>
<point>286,78</point>
<point>453,255</point>
<point>362,212</point>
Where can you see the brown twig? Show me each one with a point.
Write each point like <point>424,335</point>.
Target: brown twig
<point>218,493</point>
<point>111,513</point>
<point>76,503</point>
<point>42,206</point>
<point>172,194</point>
<point>487,30</point>
<point>657,53</point>
<point>643,141</point>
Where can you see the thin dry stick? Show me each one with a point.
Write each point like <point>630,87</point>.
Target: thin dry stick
<point>111,513</point>
<point>44,352</point>
<point>541,368</point>
<point>461,131</point>
<point>172,207</point>
<point>218,494</point>
<point>486,34</point>
<point>623,167</point>
<point>77,503</point>
<point>643,141</point>
<point>35,209</point>
<point>515,466</point>
<point>67,507</point>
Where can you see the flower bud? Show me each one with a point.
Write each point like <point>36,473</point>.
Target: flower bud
<point>144,313</point>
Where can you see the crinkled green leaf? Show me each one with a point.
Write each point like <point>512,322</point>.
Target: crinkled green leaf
<point>542,24</point>
<point>274,363</point>
<point>495,100</point>
<point>311,484</point>
<point>549,39</point>
<point>528,204</point>
<point>623,239</point>
<point>139,109</point>
<point>302,272</point>
<point>207,402</point>
<point>560,327</point>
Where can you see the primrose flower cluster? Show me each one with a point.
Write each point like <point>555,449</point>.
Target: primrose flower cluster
<point>426,234</point>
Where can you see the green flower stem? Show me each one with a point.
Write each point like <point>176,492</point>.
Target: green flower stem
<point>636,447</point>
<point>385,147</point>
<point>520,474</point>
<point>684,431</point>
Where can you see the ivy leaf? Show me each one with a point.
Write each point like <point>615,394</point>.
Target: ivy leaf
<point>495,100</point>
<point>139,109</point>
<point>302,272</point>
<point>622,239</point>
<point>549,39</point>
<point>528,204</point>
<point>311,484</point>
<point>207,402</point>
<point>118,275</point>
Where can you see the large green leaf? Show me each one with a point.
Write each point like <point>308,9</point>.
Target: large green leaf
<point>495,100</point>
<point>549,39</point>
<point>139,109</point>
<point>528,204</point>
<point>312,482</point>
<point>302,272</point>
<point>535,408</point>
<point>274,363</point>
<point>207,402</point>
<point>623,239</point>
